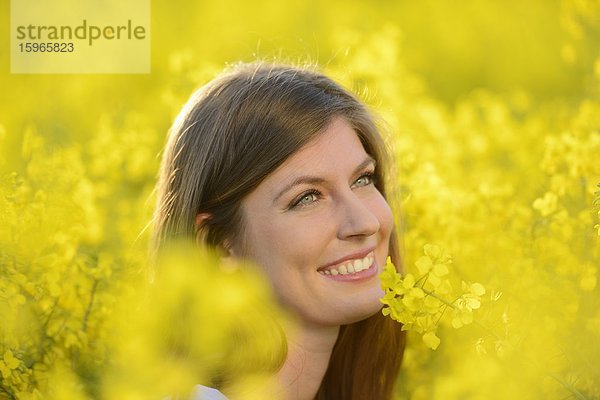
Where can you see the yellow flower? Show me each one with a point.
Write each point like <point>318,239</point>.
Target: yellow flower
<point>431,340</point>
<point>8,363</point>
<point>424,264</point>
<point>546,205</point>
<point>477,289</point>
<point>389,277</point>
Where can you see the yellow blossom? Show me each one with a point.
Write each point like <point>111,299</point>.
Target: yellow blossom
<point>431,340</point>
<point>546,205</point>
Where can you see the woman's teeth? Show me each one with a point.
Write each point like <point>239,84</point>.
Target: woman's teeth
<point>350,266</point>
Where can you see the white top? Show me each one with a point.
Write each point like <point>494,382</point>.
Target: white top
<point>206,393</point>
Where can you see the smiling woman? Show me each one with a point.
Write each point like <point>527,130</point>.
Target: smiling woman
<point>281,166</point>
<point>314,239</point>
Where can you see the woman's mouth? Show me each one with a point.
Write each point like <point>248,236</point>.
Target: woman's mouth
<point>350,267</point>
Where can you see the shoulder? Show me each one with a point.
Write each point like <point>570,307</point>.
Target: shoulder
<point>206,393</point>
<point>202,393</point>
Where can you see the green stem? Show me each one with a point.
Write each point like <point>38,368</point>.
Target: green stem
<point>89,306</point>
<point>435,296</point>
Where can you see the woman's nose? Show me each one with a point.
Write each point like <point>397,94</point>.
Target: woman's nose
<point>356,218</point>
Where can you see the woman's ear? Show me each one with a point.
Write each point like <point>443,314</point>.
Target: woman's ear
<point>200,218</point>
<point>225,248</point>
<point>199,228</point>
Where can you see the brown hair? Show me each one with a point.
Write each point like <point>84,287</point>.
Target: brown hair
<point>234,132</point>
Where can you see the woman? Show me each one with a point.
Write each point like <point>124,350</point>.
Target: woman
<point>283,167</point>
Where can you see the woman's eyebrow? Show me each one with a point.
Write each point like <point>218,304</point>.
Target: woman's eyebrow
<point>315,180</point>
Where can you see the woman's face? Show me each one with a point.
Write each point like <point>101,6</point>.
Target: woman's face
<point>320,229</point>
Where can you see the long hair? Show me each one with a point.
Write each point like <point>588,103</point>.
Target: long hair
<point>232,134</point>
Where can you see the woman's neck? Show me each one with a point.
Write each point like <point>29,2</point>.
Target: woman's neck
<point>309,350</point>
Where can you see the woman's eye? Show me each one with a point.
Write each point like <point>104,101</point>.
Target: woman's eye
<point>307,199</point>
<point>365,179</point>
